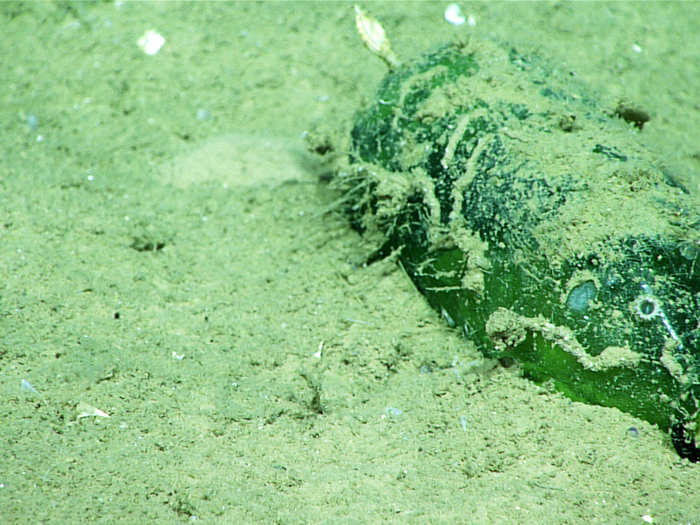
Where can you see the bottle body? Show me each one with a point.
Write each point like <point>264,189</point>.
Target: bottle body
<point>536,223</point>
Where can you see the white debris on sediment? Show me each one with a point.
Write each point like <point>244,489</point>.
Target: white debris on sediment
<point>151,42</point>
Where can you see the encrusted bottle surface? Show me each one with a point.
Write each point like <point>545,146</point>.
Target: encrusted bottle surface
<point>536,223</point>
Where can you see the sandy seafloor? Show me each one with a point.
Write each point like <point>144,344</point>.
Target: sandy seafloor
<point>165,258</point>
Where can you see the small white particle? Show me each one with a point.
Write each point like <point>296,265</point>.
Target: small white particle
<point>85,410</point>
<point>636,48</point>
<point>151,42</point>
<point>647,518</point>
<point>27,387</point>
<point>453,14</point>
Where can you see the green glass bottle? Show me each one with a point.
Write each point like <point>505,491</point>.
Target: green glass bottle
<point>535,222</point>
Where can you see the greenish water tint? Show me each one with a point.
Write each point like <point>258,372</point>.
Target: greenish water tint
<point>166,258</point>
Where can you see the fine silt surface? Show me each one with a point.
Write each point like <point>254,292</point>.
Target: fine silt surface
<point>167,259</point>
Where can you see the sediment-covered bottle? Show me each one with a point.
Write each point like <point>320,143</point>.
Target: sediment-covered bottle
<point>534,221</point>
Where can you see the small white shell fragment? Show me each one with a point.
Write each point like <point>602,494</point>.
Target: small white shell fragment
<point>374,37</point>
<point>453,14</point>
<point>26,386</point>
<point>393,411</point>
<point>85,410</point>
<point>318,354</point>
<point>151,42</point>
